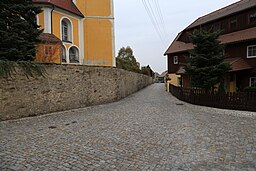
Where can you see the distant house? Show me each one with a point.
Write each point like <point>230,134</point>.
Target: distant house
<point>162,77</point>
<point>156,76</point>
<point>238,24</point>
<point>84,27</point>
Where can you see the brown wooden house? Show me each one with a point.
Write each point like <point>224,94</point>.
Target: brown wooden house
<point>238,24</point>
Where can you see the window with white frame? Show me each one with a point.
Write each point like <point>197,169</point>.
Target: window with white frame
<point>252,81</point>
<point>175,60</point>
<point>73,55</point>
<point>66,30</point>
<point>48,50</point>
<point>63,54</point>
<point>251,51</point>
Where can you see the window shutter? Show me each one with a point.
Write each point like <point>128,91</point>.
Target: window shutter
<point>65,31</point>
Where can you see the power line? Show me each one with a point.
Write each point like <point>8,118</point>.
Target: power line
<point>161,16</point>
<point>152,20</point>
<point>158,23</point>
<point>156,20</point>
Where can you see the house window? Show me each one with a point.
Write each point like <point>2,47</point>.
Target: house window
<point>66,30</point>
<point>252,81</point>
<point>252,17</point>
<point>190,56</point>
<point>48,50</point>
<point>175,59</point>
<point>251,51</point>
<point>223,52</point>
<point>63,54</point>
<point>180,81</point>
<point>233,23</point>
<point>73,55</point>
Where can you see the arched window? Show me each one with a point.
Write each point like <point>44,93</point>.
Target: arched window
<point>63,54</point>
<point>73,55</point>
<point>66,30</point>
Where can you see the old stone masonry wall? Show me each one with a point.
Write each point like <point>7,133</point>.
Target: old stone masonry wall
<point>66,87</point>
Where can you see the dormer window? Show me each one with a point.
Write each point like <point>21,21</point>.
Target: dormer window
<point>252,17</point>
<point>233,23</point>
<point>66,30</point>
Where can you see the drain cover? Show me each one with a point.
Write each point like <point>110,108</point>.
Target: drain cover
<point>52,127</point>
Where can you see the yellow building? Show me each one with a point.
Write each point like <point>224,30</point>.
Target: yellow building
<point>85,28</point>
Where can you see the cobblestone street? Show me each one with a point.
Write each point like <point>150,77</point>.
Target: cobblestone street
<point>149,130</point>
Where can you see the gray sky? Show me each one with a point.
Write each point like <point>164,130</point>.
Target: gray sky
<point>133,26</point>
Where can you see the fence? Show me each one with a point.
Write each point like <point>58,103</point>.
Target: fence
<point>236,101</point>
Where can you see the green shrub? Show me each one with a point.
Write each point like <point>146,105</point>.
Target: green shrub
<point>250,89</point>
<point>28,68</point>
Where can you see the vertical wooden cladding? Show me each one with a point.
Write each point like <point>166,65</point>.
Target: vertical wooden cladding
<point>244,78</point>
<point>173,68</point>
<point>169,64</point>
<point>240,50</point>
<point>95,7</point>
<point>235,50</point>
<point>224,23</point>
<point>242,21</point>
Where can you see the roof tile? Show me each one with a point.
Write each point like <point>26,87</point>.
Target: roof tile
<point>243,35</point>
<point>228,10</point>
<point>67,5</point>
<point>238,64</point>
<point>47,37</point>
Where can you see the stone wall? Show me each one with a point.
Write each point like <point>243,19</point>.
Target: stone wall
<point>66,87</point>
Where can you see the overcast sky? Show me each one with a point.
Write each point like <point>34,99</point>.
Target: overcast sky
<point>133,26</point>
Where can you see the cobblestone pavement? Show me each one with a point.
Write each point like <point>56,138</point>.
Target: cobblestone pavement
<point>149,130</point>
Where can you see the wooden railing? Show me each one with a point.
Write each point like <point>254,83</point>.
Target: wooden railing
<point>236,101</point>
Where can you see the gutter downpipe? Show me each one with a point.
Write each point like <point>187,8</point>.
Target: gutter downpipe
<point>53,8</point>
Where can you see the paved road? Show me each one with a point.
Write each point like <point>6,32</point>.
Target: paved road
<point>150,130</point>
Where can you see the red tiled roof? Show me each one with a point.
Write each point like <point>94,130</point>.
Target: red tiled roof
<point>47,37</point>
<point>223,12</point>
<point>67,5</point>
<point>243,35</point>
<point>237,64</point>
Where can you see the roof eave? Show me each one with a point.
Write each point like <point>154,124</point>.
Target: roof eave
<point>190,28</point>
<point>49,3</point>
